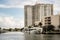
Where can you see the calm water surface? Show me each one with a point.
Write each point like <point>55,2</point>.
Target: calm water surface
<point>26,36</point>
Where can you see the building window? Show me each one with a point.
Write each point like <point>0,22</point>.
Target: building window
<point>47,20</point>
<point>45,23</point>
<point>49,17</point>
<point>49,23</point>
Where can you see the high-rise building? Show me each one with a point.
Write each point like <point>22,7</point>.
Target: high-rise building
<point>28,15</point>
<point>34,13</point>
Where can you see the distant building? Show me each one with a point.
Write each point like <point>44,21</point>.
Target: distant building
<point>34,13</point>
<point>53,20</point>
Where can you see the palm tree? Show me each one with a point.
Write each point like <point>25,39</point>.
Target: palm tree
<point>29,26</point>
<point>40,24</point>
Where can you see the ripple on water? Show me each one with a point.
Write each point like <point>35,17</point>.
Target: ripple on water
<point>26,36</point>
<point>12,36</point>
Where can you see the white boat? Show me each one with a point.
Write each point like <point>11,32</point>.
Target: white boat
<point>33,30</point>
<point>36,30</point>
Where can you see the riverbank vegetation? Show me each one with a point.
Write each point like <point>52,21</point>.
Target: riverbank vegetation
<point>48,28</point>
<point>2,30</point>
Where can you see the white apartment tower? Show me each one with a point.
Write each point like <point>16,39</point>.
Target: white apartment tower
<point>34,13</point>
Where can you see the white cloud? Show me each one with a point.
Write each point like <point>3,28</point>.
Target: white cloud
<point>10,6</point>
<point>11,22</point>
<point>15,4</point>
<point>21,3</point>
<point>56,6</point>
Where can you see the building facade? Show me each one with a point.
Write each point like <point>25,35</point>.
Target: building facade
<point>53,20</point>
<point>34,13</point>
<point>28,15</point>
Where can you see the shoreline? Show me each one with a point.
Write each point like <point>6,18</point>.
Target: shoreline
<point>52,33</point>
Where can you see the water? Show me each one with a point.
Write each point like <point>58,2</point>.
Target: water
<point>26,36</point>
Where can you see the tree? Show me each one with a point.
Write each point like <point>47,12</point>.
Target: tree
<point>0,28</point>
<point>5,29</point>
<point>16,29</point>
<point>10,29</point>
<point>21,29</point>
<point>40,24</point>
<point>29,26</point>
<point>50,28</point>
<point>44,28</point>
<point>59,27</point>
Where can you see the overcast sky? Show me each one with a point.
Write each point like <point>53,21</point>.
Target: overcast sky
<point>12,11</point>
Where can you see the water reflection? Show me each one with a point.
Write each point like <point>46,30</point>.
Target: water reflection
<point>26,36</point>
<point>12,36</point>
<point>42,37</point>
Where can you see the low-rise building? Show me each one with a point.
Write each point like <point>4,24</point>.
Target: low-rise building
<point>53,20</point>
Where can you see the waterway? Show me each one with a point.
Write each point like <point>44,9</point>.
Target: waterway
<point>26,36</point>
